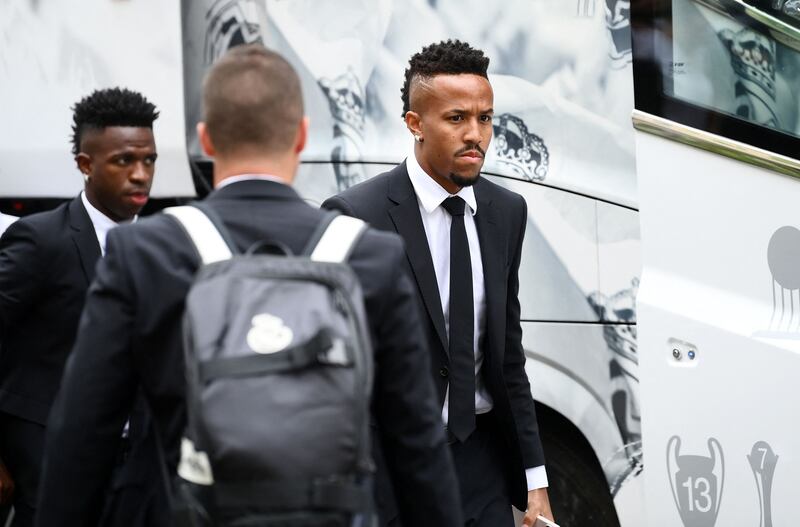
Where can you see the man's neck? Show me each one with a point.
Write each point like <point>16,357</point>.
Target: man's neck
<point>445,183</point>
<point>279,169</point>
<point>97,209</point>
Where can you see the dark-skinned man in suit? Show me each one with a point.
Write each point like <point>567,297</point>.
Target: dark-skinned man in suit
<point>130,332</point>
<point>47,262</point>
<point>463,239</point>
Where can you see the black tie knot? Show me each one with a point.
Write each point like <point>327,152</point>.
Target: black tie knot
<point>454,205</point>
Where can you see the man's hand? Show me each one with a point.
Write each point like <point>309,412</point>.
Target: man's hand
<point>6,485</point>
<point>538,503</point>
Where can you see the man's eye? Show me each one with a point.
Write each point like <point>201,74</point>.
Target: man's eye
<point>124,160</point>
<point>150,160</point>
<point>456,118</point>
<point>486,118</point>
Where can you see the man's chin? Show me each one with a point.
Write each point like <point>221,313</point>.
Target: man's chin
<point>464,181</point>
<point>128,213</point>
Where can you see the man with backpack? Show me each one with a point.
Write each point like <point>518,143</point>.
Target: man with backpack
<point>254,351</point>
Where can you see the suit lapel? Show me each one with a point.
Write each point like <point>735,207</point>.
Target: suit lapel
<point>84,237</point>
<point>408,223</point>
<point>491,239</point>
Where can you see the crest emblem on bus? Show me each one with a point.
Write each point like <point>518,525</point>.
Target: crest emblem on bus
<point>783,257</point>
<point>347,103</point>
<point>763,461</point>
<point>230,24</point>
<point>696,482</point>
<point>620,337</point>
<point>519,149</point>
<point>753,57</point>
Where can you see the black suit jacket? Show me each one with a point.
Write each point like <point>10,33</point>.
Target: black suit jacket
<point>131,333</point>
<point>47,261</point>
<point>388,202</point>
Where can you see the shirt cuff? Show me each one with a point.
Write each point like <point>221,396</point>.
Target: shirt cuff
<point>537,477</point>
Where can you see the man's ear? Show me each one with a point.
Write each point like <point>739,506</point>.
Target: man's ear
<point>205,140</point>
<point>414,124</point>
<point>84,162</point>
<point>302,135</point>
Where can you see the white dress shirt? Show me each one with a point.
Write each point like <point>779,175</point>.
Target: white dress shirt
<point>101,223</point>
<point>249,177</point>
<point>436,222</point>
<point>5,221</point>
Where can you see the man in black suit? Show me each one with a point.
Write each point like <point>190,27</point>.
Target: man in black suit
<point>131,328</point>
<point>47,262</point>
<point>463,239</point>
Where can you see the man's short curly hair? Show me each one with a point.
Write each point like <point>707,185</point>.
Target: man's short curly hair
<point>110,107</point>
<point>451,57</point>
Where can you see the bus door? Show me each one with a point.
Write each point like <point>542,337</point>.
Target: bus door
<point>717,85</point>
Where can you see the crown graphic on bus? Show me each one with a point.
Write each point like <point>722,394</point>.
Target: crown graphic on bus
<point>524,152</point>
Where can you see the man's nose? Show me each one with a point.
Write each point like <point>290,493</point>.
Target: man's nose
<point>141,173</point>
<point>472,134</point>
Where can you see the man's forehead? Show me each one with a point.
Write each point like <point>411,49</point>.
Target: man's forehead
<point>451,88</point>
<point>117,136</point>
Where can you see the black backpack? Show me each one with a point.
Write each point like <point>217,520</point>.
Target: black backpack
<point>279,378</point>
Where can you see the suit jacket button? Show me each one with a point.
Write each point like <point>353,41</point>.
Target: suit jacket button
<point>444,372</point>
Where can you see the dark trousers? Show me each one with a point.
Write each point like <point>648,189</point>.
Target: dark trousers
<point>481,470</point>
<point>22,448</point>
<point>137,494</point>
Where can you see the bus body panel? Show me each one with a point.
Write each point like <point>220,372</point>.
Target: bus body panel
<point>713,288</point>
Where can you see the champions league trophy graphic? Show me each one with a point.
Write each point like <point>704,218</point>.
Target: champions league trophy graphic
<point>696,483</point>
<point>763,460</point>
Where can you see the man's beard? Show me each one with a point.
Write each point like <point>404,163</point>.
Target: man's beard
<point>464,181</point>
<point>468,181</point>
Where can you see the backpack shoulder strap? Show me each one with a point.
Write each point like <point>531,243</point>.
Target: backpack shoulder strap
<point>207,239</point>
<point>319,230</point>
<point>338,239</point>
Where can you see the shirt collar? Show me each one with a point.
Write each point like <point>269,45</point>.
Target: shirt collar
<point>100,221</point>
<point>430,193</point>
<point>247,177</point>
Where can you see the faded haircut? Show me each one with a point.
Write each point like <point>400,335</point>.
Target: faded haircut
<point>451,57</point>
<point>110,107</point>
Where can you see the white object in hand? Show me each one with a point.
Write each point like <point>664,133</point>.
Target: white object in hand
<point>541,521</point>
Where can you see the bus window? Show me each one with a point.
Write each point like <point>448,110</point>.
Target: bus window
<point>722,66</point>
<point>722,63</point>
<point>788,10</point>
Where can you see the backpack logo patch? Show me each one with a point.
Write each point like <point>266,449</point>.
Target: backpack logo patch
<point>269,334</point>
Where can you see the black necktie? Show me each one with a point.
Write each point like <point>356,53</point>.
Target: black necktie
<point>461,413</point>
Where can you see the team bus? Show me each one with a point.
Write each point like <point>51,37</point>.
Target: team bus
<point>717,93</point>
<point>563,138</point>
